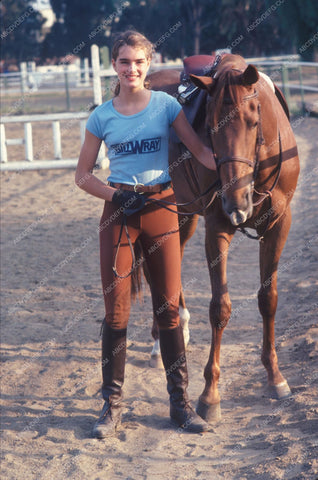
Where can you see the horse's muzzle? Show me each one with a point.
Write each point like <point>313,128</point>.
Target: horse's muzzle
<point>238,211</point>
<point>238,217</point>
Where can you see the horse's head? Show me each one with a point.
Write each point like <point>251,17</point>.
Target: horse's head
<point>233,119</point>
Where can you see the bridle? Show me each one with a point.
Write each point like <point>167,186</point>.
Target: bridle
<point>259,142</point>
<point>254,164</point>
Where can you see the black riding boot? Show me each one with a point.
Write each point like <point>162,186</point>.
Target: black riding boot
<point>174,360</point>
<point>113,370</point>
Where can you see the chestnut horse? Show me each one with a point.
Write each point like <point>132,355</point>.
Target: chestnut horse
<point>257,171</point>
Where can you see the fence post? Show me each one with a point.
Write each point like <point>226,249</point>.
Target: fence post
<point>67,90</point>
<point>32,80</point>
<point>3,146</point>
<point>97,88</point>
<point>24,73</point>
<point>82,130</point>
<point>57,139</point>
<point>285,84</point>
<point>28,141</point>
<point>303,105</point>
<point>86,72</point>
<point>78,76</point>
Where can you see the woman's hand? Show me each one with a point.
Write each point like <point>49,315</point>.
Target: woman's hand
<point>130,202</point>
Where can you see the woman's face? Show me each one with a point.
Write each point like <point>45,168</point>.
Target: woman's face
<point>131,66</point>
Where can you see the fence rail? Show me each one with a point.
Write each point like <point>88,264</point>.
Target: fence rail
<point>298,80</point>
<point>27,140</point>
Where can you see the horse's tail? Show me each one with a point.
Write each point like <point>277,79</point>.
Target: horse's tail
<point>136,276</point>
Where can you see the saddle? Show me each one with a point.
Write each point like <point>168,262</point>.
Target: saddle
<point>196,65</point>
<point>189,96</point>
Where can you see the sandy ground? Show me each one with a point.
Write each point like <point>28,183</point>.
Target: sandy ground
<point>51,315</point>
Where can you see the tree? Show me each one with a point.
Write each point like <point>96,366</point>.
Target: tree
<point>78,25</point>
<point>21,26</point>
<point>156,20</point>
<point>198,15</point>
<point>250,28</point>
<point>300,20</point>
<point>181,28</point>
<point>174,26</point>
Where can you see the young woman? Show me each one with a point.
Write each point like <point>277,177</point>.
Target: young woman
<point>135,127</point>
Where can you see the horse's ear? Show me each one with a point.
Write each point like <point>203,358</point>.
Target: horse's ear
<point>205,83</point>
<point>250,75</point>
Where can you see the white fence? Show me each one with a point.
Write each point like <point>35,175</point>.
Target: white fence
<point>288,74</point>
<point>29,163</point>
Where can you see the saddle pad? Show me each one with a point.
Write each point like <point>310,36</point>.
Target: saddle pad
<point>191,110</point>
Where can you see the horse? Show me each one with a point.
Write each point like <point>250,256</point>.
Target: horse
<point>244,119</point>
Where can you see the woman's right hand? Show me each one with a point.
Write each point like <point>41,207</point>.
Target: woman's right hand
<point>130,202</point>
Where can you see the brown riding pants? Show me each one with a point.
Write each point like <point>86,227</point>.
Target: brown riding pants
<point>157,230</point>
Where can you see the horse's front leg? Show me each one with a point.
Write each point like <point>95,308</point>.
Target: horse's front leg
<point>217,245</point>
<point>270,251</point>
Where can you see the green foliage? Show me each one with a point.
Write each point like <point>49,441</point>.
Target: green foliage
<point>161,22</point>
<point>178,28</point>
<point>252,28</point>
<point>20,29</point>
<point>300,22</point>
<point>78,25</point>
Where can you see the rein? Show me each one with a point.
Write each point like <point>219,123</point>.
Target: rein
<point>266,194</point>
<point>133,263</point>
<point>163,204</point>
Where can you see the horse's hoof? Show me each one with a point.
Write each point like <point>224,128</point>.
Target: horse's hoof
<point>209,413</point>
<point>156,361</point>
<point>280,391</point>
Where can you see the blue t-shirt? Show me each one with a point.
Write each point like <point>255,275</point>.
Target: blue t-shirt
<point>137,144</point>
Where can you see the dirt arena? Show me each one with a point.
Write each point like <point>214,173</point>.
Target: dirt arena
<point>51,316</point>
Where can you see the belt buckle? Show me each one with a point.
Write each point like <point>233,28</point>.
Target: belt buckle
<point>138,185</point>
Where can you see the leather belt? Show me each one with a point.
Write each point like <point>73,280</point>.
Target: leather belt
<point>141,188</point>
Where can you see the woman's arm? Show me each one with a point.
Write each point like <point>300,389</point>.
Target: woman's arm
<point>84,178</point>
<point>192,141</point>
